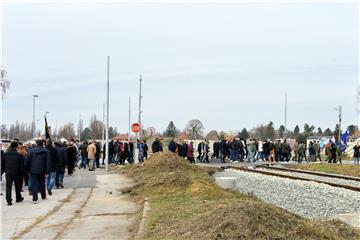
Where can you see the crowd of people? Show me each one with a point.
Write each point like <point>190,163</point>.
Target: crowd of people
<point>251,150</point>
<point>42,166</point>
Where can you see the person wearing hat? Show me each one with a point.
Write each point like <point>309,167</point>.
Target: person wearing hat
<point>14,171</point>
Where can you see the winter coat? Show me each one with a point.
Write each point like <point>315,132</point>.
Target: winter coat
<point>156,147</point>
<point>38,161</point>
<point>13,163</point>
<point>91,151</point>
<point>190,151</point>
<point>172,146</point>
<point>357,151</point>
<point>63,160</point>
<point>83,149</point>
<point>54,159</point>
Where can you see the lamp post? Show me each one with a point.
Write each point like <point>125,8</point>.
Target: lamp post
<point>33,124</point>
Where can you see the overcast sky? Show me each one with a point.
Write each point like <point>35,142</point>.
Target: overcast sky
<point>228,65</point>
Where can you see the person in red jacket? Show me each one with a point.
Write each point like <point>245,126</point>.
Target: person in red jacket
<point>190,152</point>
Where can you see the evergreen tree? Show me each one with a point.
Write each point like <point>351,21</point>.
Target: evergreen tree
<point>269,132</point>
<point>244,134</point>
<point>281,131</point>
<point>327,132</point>
<point>171,130</point>
<point>296,130</point>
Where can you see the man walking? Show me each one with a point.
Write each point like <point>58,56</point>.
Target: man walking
<point>356,153</point>
<point>62,163</point>
<point>14,171</point>
<point>54,159</point>
<point>38,165</point>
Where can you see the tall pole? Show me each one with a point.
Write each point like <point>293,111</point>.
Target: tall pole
<point>129,119</point>
<point>33,125</point>
<point>340,116</point>
<point>80,126</point>
<point>140,97</point>
<point>285,116</point>
<point>103,128</point>
<point>107,115</point>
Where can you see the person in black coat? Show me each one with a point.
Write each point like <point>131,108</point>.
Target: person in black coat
<point>223,150</point>
<point>172,146</point>
<point>131,152</point>
<point>54,159</point>
<point>37,163</point>
<point>156,146</point>
<point>62,163</point>
<point>184,149</point>
<point>71,157</point>
<point>14,168</point>
<point>84,154</point>
<point>145,149</point>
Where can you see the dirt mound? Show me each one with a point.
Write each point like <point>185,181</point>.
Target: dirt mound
<point>255,220</point>
<point>186,204</point>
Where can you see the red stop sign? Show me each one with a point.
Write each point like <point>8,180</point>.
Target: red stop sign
<point>135,127</point>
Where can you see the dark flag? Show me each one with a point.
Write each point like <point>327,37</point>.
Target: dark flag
<point>47,130</point>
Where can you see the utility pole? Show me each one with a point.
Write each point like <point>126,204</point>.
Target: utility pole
<point>79,130</point>
<point>140,98</point>
<point>340,118</point>
<point>107,115</point>
<point>129,119</point>
<point>33,124</point>
<point>103,128</point>
<point>285,134</point>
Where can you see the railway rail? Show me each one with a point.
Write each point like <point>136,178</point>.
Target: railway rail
<point>253,170</point>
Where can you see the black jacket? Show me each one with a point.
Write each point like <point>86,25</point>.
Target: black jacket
<point>156,147</point>
<point>13,163</point>
<point>83,150</point>
<point>62,154</point>
<point>38,161</point>
<point>172,146</point>
<point>54,158</point>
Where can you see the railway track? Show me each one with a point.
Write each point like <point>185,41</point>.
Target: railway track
<point>312,173</point>
<point>276,174</point>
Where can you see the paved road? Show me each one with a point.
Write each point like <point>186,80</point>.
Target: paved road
<point>91,206</point>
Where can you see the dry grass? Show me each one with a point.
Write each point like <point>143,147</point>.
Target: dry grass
<point>186,204</point>
<point>350,170</point>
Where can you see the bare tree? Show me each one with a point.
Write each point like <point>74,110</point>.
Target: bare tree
<point>67,131</point>
<point>213,135</point>
<point>96,127</point>
<point>194,128</point>
<point>4,82</point>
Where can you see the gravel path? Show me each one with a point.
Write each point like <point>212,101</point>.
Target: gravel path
<point>307,199</point>
<point>314,177</point>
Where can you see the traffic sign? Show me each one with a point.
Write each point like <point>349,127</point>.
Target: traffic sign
<point>135,127</point>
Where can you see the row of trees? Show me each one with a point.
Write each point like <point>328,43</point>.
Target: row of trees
<point>261,131</point>
<point>94,130</point>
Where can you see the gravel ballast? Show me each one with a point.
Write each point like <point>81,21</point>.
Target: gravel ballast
<point>314,177</point>
<point>305,198</point>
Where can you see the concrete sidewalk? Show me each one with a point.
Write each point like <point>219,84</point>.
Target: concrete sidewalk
<point>100,211</point>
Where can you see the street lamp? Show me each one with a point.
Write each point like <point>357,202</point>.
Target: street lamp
<point>33,125</point>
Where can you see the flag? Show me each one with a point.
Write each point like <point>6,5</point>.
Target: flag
<point>344,137</point>
<point>47,130</point>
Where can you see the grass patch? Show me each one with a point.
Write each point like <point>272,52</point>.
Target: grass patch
<point>351,170</point>
<point>186,203</point>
